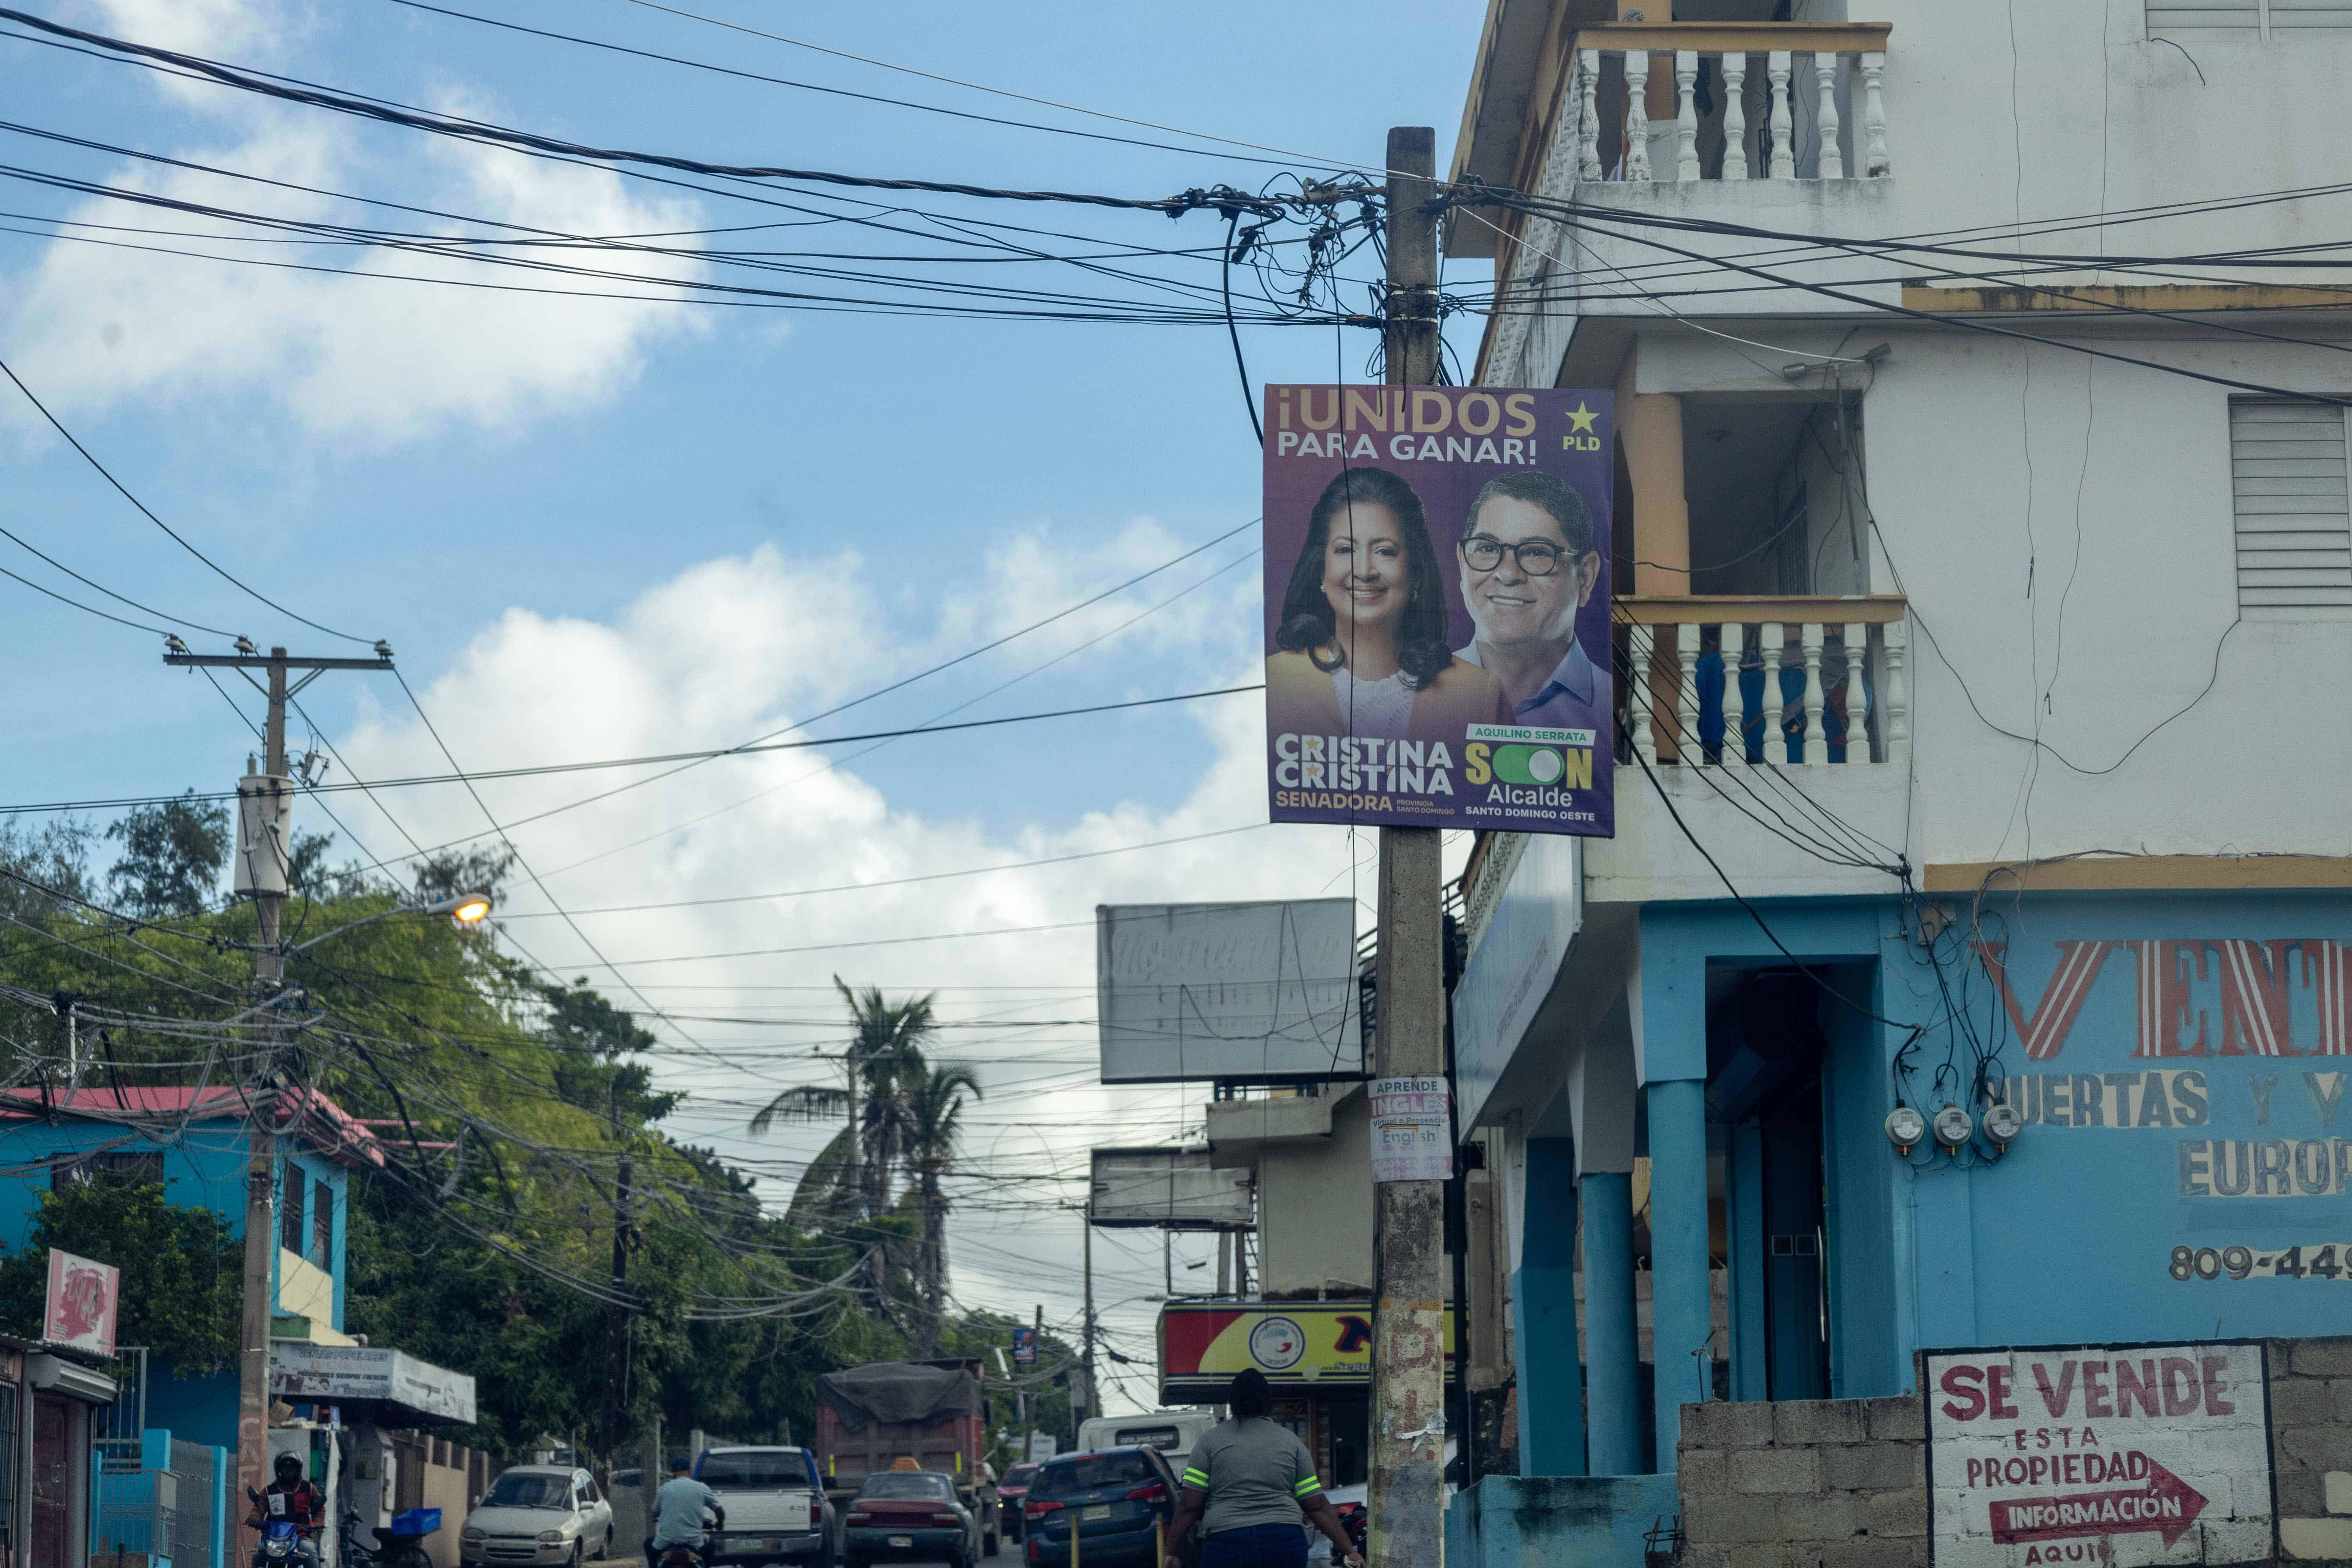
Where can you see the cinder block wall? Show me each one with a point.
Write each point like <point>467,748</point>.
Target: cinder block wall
<point>1841,1483</point>
<point>1838,1483</point>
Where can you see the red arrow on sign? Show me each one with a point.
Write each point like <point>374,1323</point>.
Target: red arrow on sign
<point>2167,1504</point>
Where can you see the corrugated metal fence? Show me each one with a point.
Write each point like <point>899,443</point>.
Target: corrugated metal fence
<point>192,1536</point>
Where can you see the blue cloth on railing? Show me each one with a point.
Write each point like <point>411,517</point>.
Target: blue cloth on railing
<point>1791,707</point>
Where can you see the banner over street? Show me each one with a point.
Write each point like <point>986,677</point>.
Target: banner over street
<point>1437,608</point>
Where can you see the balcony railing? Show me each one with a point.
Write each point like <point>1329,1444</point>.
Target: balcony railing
<point>1820,680</point>
<point>1742,105</point>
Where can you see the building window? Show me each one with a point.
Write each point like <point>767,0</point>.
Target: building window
<point>126,1168</point>
<point>322,1226</point>
<point>290,1233</point>
<point>2287,486</point>
<point>2261,18</point>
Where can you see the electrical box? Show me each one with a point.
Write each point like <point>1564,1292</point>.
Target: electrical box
<point>265,821</point>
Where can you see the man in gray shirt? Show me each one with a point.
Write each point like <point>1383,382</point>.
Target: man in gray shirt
<point>1252,1478</point>
<point>678,1508</point>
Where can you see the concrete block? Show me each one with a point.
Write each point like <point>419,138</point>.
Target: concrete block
<point>1899,1417</point>
<point>1703,1470</point>
<point>1824,1516</point>
<point>2317,1540</point>
<point>2336,1492</point>
<point>2329,1357</point>
<point>1726,1424</point>
<point>1705,1557</point>
<point>1874,1467</point>
<point>2340,1396</point>
<point>1865,1553</point>
<point>1726,1520</point>
<point>2301,1402</point>
<point>1895,1515</point>
<point>1818,1421</point>
<point>2318,1447</point>
<point>2299,1491</point>
<point>1773,1554</point>
<point>1778,1470</point>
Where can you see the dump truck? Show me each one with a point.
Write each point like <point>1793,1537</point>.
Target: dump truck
<point>920,1416</point>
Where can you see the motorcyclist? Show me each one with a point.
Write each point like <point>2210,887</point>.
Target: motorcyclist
<point>291,1497</point>
<point>679,1508</point>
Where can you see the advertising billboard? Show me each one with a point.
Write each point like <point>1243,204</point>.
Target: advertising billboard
<point>80,1306</point>
<point>1437,608</point>
<point>1297,1344</point>
<point>1254,992</point>
<point>1173,1189</point>
<point>340,1374</point>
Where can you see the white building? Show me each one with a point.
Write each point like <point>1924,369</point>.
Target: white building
<point>2067,494</point>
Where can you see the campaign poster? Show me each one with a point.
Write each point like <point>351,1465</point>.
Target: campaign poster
<point>1437,608</point>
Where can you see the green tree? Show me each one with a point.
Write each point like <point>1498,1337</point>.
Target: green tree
<point>55,858</point>
<point>171,857</point>
<point>934,1104</point>
<point>886,1057</point>
<point>181,1271</point>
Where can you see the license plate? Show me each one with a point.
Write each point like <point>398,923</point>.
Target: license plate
<point>772,1543</point>
<point>1100,1511</point>
<point>902,1540</point>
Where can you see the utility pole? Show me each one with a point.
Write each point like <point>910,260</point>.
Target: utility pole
<point>1407,1499</point>
<point>1037,1332</point>
<point>1086,1328</point>
<point>264,807</point>
<point>616,1321</point>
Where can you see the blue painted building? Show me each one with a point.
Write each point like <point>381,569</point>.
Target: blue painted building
<point>194,1142</point>
<point>1981,764</point>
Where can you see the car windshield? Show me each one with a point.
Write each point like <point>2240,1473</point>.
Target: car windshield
<point>1086,1472</point>
<point>513,1490</point>
<point>1019,1475</point>
<point>755,1469</point>
<point>908,1484</point>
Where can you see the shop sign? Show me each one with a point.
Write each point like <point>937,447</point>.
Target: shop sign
<point>338,1375</point>
<point>2113,1454</point>
<point>1412,1137</point>
<point>1297,1344</point>
<point>80,1306</point>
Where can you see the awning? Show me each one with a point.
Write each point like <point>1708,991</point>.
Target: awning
<point>55,1374</point>
<point>370,1374</point>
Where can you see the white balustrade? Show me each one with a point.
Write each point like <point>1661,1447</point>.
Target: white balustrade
<point>1615,81</point>
<point>1793,715</point>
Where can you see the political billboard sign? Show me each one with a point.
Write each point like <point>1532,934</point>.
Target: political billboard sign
<point>1260,992</point>
<point>1437,589</point>
<point>2120,1453</point>
<point>1024,1347</point>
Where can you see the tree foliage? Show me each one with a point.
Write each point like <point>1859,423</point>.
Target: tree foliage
<point>172,856</point>
<point>181,1271</point>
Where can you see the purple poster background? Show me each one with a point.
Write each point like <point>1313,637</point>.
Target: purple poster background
<point>1503,740</point>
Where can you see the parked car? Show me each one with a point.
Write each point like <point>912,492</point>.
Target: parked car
<point>902,1514</point>
<point>774,1503</point>
<point>1118,1500</point>
<point>538,1514</point>
<point>1010,1492</point>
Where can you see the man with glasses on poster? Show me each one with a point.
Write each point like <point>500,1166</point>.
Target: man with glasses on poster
<point>1528,565</point>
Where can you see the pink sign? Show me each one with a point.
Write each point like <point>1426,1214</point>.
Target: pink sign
<point>81,1303</point>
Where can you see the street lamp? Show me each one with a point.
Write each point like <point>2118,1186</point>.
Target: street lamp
<point>469,910</point>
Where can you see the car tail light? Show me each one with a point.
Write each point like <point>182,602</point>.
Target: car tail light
<point>947,1519</point>
<point>1155,1493</point>
<point>1039,1507</point>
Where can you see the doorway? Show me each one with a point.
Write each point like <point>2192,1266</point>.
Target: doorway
<point>53,1482</point>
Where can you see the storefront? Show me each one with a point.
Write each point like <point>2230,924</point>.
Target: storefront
<point>1317,1355</point>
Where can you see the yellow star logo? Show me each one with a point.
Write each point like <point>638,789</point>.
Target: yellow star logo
<point>1582,419</point>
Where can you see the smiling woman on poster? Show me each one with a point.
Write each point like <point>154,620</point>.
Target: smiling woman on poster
<point>1363,628</point>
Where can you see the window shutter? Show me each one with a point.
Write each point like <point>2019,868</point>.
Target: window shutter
<point>2175,15</point>
<point>2287,472</point>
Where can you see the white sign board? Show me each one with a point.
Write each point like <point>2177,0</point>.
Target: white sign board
<point>82,1298</point>
<point>1411,1139</point>
<point>1176,1189</point>
<point>2111,1454</point>
<point>1255,991</point>
<point>341,1373</point>
<point>1041,1445</point>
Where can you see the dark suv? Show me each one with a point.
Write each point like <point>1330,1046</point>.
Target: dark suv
<point>1119,1500</point>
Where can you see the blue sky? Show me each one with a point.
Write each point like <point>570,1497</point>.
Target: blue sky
<point>595,528</point>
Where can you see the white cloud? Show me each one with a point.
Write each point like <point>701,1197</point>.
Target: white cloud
<point>367,360</point>
<point>736,646</point>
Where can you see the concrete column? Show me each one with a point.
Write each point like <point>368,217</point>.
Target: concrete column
<point>1543,1304</point>
<point>1680,1315</point>
<point>1612,1351</point>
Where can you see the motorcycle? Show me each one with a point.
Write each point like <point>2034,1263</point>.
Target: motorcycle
<point>281,1545</point>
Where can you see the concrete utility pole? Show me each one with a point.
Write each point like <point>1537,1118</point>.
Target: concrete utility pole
<point>1087,1327</point>
<point>264,802</point>
<point>1407,1499</point>
<point>616,1323</point>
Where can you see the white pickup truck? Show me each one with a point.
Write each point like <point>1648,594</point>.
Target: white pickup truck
<point>775,1507</point>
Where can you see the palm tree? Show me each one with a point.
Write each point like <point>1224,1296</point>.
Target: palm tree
<point>850,1179</point>
<point>934,1108</point>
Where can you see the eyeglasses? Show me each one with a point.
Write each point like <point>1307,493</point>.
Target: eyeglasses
<point>1537,557</point>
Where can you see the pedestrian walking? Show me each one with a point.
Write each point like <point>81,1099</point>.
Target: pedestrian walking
<point>1252,1478</point>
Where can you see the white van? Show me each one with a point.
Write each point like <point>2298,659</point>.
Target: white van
<point>1172,1432</point>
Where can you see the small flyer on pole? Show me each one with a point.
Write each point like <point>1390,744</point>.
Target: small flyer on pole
<point>1411,1140</point>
